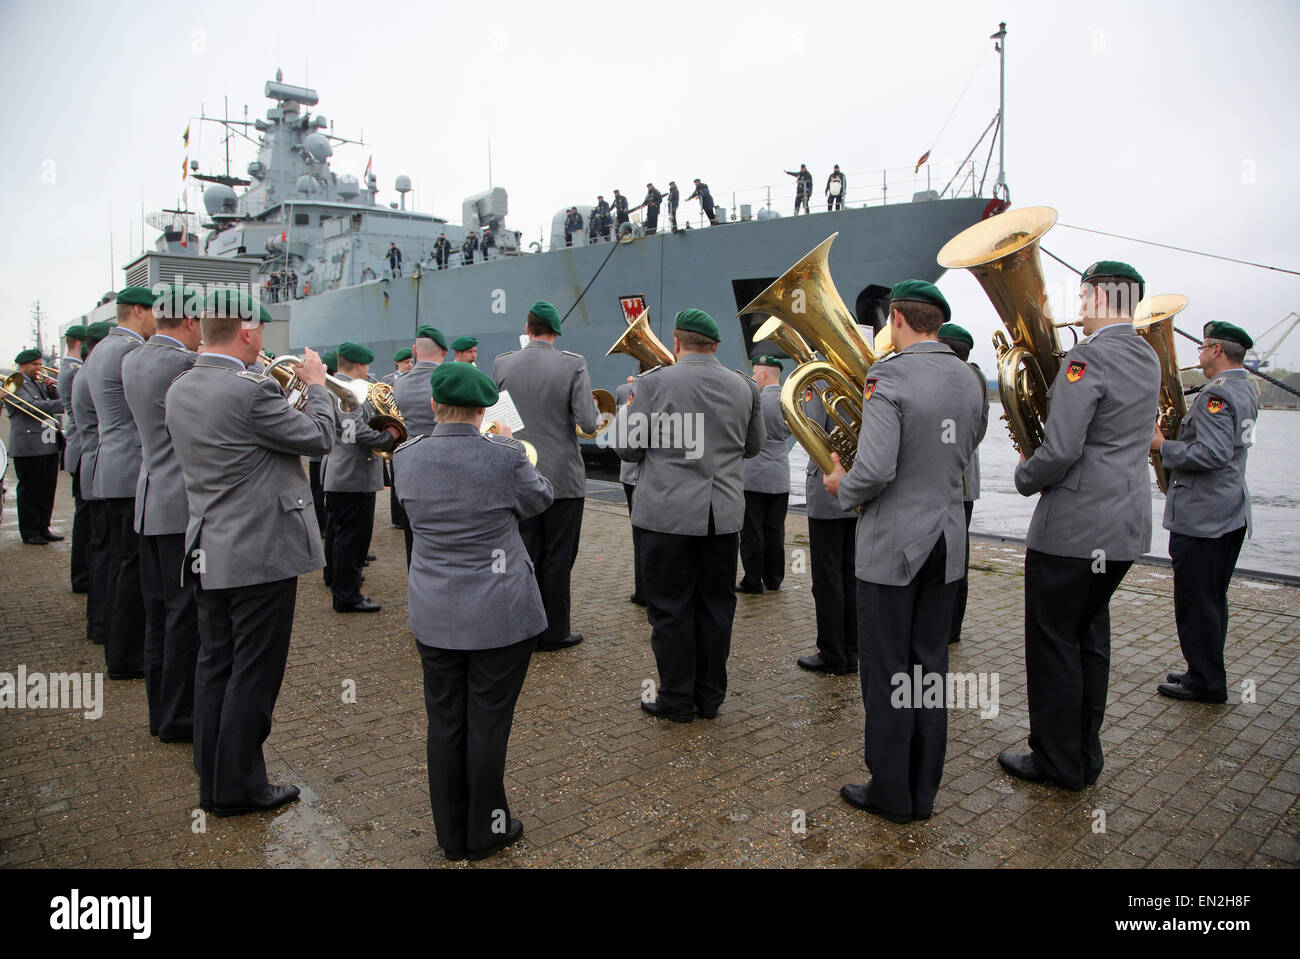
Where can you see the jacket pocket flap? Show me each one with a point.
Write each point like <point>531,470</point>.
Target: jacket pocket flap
<point>299,498</point>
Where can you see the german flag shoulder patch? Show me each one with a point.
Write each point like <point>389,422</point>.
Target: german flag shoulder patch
<point>1074,372</point>
<point>1214,404</point>
<point>869,388</point>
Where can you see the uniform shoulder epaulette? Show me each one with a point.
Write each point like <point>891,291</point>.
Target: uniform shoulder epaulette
<point>571,353</point>
<point>1218,380</point>
<point>251,375</point>
<point>745,375</point>
<point>507,353</point>
<point>655,369</point>
<point>500,440</point>
<point>410,442</point>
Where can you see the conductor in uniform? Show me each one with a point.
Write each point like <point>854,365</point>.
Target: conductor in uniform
<point>34,446</point>
<point>767,488</point>
<point>474,604</point>
<point>240,444</point>
<point>352,476</point>
<point>1092,520</point>
<point>75,339</point>
<point>411,394</point>
<point>171,644</point>
<point>1207,509</point>
<point>690,425</point>
<point>552,392</point>
<point>922,416</point>
<point>98,598</point>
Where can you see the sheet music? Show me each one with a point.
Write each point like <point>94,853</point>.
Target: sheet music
<point>503,410</point>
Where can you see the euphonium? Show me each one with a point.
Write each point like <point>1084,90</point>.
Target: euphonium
<point>1153,318</point>
<point>805,299</point>
<point>348,394</point>
<point>1002,252</point>
<point>607,406</point>
<point>640,343</point>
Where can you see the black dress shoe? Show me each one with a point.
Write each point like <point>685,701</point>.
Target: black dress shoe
<point>955,639</point>
<point>572,639</point>
<point>455,855</point>
<point>816,664</point>
<point>363,606</point>
<point>272,797</point>
<point>1025,766</point>
<point>127,675</point>
<point>52,537</point>
<point>707,712</point>
<point>859,797</point>
<point>751,590</point>
<point>1179,691</point>
<point>36,541</point>
<point>654,709</point>
<point>638,600</point>
<point>1175,678</point>
<point>511,836</point>
<point>773,587</point>
<point>371,557</point>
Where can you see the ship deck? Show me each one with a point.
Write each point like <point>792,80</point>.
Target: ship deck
<point>599,783</point>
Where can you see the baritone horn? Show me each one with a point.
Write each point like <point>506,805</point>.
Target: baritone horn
<point>348,394</point>
<point>607,406</point>
<point>1002,252</point>
<point>1153,318</point>
<point>805,299</point>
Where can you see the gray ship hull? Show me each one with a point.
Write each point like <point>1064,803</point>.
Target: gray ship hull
<point>718,269</point>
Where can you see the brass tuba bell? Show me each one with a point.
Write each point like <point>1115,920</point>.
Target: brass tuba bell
<point>639,342</point>
<point>1153,318</point>
<point>1002,252</point>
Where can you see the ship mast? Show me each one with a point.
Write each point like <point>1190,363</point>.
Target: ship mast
<point>1001,47</point>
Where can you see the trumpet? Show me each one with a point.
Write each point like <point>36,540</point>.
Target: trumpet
<point>12,384</point>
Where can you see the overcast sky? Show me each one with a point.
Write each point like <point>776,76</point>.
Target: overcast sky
<point>1173,122</point>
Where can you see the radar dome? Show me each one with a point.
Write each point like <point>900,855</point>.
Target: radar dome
<point>403,184</point>
<point>306,184</point>
<point>219,199</point>
<point>348,187</point>
<point>318,146</point>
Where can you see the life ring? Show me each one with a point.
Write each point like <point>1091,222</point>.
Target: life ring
<point>994,207</point>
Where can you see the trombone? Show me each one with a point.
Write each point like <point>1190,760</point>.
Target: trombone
<point>12,384</point>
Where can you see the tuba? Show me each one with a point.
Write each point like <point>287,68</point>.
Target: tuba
<point>805,299</point>
<point>1002,252</point>
<point>640,343</point>
<point>1153,318</point>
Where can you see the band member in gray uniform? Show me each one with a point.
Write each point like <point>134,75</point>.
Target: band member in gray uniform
<point>411,393</point>
<point>475,608</point>
<point>34,447</point>
<point>627,473</point>
<point>117,469</point>
<point>1207,510</point>
<point>98,598</point>
<point>403,359</point>
<point>922,416</point>
<point>690,425</point>
<point>767,488</point>
<point>959,340</point>
<point>832,551</point>
<point>171,645</point>
<point>352,476</point>
<point>75,338</point>
<point>552,392</point>
<point>1092,521</point>
<point>466,349</point>
<point>240,444</point>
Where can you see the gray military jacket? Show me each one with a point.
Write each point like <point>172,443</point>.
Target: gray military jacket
<point>413,397</point>
<point>27,434</point>
<point>160,507</point>
<point>552,392</point>
<point>240,445</point>
<point>83,411</point>
<point>352,466</point>
<point>117,466</point>
<point>1093,467</point>
<point>690,425</point>
<point>1208,496</point>
<point>72,449</point>
<point>769,471</point>
<point>471,584</point>
<point>819,504</point>
<point>627,472</point>
<point>921,420</point>
<point>970,479</point>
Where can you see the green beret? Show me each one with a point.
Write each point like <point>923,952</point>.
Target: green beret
<point>235,304</point>
<point>464,343</point>
<point>764,360</point>
<point>697,321</point>
<point>27,355</point>
<point>188,298</point>
<point>547,314</point>
<point>355,353</point>
<point>331,360</point>
<point>462,384</point>
<point>137,296</point>
<point>1111,269</point>
<point>403,354</point>
<point>75,332</point>
<point>919,291</point>
<point>431,333</point>
<point>951,331</point>
<point>97,331</point>
<point>1222,330</point>
<point>270,353</point>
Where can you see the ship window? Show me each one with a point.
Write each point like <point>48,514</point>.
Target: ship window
<point>301,219</point>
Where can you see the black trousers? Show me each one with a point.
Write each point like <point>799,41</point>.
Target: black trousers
<point>1202,570</point>
<point>318,497</point>
<point>1067,661</point>
<point>833,544</point>
<point>963,584</point>
<point>395,511</point>
<point>99,600</point>
<point>38,478</point>
<point>171,646</point>
<point>81,534</point>
<point>629,490</point>
<point>244,644</point>
<point>651,220</point>
<point>708,210</point>
<point>352,520</point>
<point>672,216</point>
<point>552,539</point>
<point>904,627</point>
<point>124,646</point>
<point>469,698</point>
<point>800,200</point>
<point>834,203</point>
<point>762,540</point>
<point>691,602</point>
